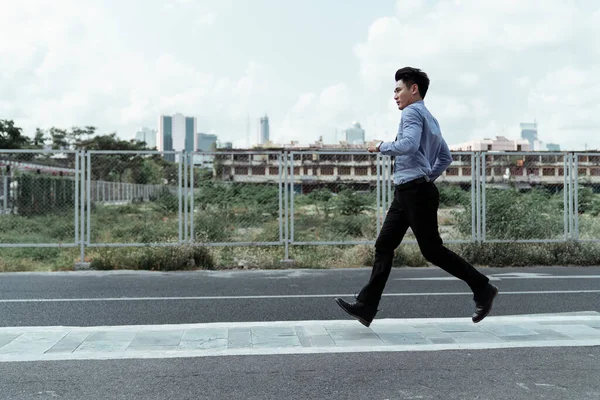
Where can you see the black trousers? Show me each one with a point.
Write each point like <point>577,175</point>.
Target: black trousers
<point>415,206</point>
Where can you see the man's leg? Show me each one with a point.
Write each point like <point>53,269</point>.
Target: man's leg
<point>392,232</point>
<point>421,204</point>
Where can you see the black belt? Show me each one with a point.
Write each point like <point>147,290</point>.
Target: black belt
<point>413,183</point>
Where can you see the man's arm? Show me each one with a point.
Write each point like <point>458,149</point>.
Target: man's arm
<point>412,128</point>
<point>442,162</point>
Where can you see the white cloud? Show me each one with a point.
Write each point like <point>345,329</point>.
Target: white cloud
<point>193,9</point>
<point>495,64</point>
<point>208,18</point>
<point>316,115</point>
<point>492,65</point>
<point>570,97</point>
<point>71,67</point>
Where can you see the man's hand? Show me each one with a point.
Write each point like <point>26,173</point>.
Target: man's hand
<point>373,146</point>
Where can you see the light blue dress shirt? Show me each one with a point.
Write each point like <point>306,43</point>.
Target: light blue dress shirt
<point>420,149</point>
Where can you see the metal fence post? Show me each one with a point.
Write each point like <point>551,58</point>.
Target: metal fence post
<point>6,194</point>
<point>483,198</point>
<point>478,195</point>
<point>568,172</point>
<point>180,194</point>
<point>291,197</point>
<point>566,197</point>
<point>281,188</point>
<point>286,201</point>
<point>378,172</point>
<point>89,198</point>
<point>77,182</point>
<point>474,170</point>
<point>575,196</point>
<point>82,204</point>
<point>192,191</point>
<point>384,177</point>
<point>186,191</point>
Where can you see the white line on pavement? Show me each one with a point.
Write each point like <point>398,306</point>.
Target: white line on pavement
<point>502,278</point>
<point>292,296</point>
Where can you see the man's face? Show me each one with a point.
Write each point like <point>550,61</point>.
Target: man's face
<point>404,96</point>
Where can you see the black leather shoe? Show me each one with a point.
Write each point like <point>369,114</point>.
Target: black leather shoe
<point>483,303</point>
<point>362,312</point>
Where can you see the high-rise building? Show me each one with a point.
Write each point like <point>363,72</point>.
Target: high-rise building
<point>355,134</point>
<point>553,146</point>
<point>529,132</point>
<point>206,142</point>
<point>176,133</point>
<point>264,130</point>
<point>148,136</point>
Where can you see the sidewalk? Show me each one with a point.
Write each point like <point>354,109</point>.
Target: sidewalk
<point>296,337</point>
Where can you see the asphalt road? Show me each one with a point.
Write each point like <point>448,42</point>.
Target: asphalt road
<point>552,374</point>
<point>132,298</point>
<point>128,298</point>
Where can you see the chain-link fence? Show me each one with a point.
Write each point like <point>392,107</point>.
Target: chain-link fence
<point>133,198</point>
<point>586,201</point>
<point>106,192</point>
<point>524,197</point>
<point>457,210</point>
<point>284,198</point>
<point>39,198</point>
<point>237,198</point>
<point>333,198</point>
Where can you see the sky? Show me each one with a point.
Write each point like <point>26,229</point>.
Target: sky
<point>314,67</point>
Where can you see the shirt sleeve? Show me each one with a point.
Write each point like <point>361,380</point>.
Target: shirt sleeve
<point>442,162</point>
<point>412,129</point>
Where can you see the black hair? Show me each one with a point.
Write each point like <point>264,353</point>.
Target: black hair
<point>411,76</point>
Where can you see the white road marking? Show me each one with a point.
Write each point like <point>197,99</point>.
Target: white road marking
<point>292,296</point>
<point>501,277</point>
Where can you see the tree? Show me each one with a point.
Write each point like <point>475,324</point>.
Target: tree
<point>11,136</point>
<point>170,170</point>
<point>59,139</point>
<point>113,166</point>
<point>40,138</point>
<point>76,136</point>
<point>149,172</point>
<point>106,142</point>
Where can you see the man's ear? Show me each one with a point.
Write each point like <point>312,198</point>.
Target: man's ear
<point>414,89</point>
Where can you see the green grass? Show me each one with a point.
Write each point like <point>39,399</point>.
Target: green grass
<point>322,217</point>
<point>42,229</point>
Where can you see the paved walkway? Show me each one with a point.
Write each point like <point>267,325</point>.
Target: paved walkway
<point>296,337</point>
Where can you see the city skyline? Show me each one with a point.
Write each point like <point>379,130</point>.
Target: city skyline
<point>62,71</point>
<point>528,140</point>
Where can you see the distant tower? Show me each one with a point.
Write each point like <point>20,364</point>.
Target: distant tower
<point>176,133</point>
<point>264,130</point>
<point>148,136</point>
<point>355,134</point>
<point>529,132</point>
